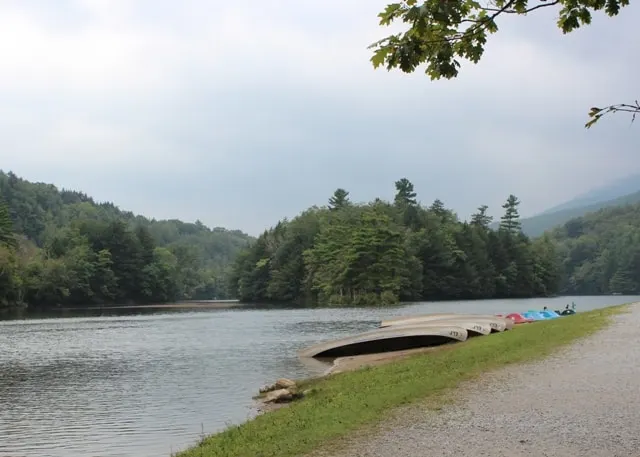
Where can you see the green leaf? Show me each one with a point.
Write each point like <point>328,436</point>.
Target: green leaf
<point>379,56</point>
<point>595,119</point>
<point>389,13</point>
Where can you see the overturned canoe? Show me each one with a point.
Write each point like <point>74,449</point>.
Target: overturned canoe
<point>497,323</point>
<point>474,327</point>
<point>388,339</point>
<point>402,320</point>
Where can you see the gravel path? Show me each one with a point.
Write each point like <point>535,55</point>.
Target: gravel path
<point>584,402</point>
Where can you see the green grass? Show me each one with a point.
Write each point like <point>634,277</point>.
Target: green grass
<point>348,401</point>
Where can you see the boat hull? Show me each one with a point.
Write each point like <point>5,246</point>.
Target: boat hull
<point>388,339</point>
<point>472,326</point>
<point>497,323</point>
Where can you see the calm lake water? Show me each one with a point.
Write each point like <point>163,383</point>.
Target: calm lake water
<point>147,384</point>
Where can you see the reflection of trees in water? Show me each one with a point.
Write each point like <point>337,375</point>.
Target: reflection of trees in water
<point>330,328</point>
<point>81,381</point>
<point>94,312</point>
<point>69,396</point>
<point>66,373</point>
<point>29,317</point>
<point>89,326</point>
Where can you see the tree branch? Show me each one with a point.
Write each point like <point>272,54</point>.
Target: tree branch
<point>528,10</point>
<point>596,113</point>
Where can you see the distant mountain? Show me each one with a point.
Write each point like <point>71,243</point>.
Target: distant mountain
<point>620,188</point>
<point>537,225</point>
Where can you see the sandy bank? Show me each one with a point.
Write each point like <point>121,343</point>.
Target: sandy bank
<point>584,401</point>
<point>343,364</point>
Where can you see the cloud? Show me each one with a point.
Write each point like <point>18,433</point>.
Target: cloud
<point>240,114</point>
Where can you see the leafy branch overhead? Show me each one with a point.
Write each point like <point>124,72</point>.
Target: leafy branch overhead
<point>443,32</point>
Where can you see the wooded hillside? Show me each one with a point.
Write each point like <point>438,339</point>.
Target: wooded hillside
<point>60,247</point>
<point>600,252</point>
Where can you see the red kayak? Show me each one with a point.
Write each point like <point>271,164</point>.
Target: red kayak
<point>518,318</point>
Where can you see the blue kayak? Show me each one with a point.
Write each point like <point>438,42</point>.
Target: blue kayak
<point>534,315</point>
<point>549,314</point>
<point>543,315</point>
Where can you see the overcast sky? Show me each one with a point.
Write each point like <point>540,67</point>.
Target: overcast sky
<point>241,113</point>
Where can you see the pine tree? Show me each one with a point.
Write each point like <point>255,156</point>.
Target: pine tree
<point>437,207</point>
<point>339,199</point>
<point>405,196</point>
<point>510,222</point>
<point>481,219</point>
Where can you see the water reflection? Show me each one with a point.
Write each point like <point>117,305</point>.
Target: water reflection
<point>332,326</point>
<point>147,383</point>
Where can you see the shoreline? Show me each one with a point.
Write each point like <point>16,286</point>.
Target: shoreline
<point>192,304</point>
<point>345,402</point>
<point>216,304</point>
<point>580,401</point>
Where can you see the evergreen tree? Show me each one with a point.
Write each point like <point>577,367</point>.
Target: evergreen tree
<point>481,219</point>
<point>437,207</point>
<point>405,196</point>
<point>339,199</point>
<point>510,222</point>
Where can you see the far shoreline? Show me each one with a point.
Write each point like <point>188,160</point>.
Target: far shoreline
<point>187,304</point>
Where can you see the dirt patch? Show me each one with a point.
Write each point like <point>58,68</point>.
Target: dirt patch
<point>360,361</point>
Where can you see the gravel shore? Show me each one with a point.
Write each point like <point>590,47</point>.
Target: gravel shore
<point>582,402</point>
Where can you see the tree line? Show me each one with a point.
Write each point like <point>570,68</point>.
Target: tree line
<point>383,252</point>
<point>61,248</point>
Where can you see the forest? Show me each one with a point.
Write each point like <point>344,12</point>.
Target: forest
<point>384,252</point>
<point>61,248</point>
<point>600,252</point>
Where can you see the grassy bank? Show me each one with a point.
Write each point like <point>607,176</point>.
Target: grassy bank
<point>345,402</point>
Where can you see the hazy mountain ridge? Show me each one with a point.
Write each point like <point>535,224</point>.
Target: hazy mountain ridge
<point>619,188</point>
<point>537,225</point>
<point>618,193</point>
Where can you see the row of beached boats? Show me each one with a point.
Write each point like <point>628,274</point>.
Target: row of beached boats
<point>412,332</point>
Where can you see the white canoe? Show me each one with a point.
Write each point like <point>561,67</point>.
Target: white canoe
<point>475,327</point>
<point>497,323</point>
<point>388,339</point>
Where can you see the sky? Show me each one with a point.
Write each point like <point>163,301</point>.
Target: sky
<point>241,113</point>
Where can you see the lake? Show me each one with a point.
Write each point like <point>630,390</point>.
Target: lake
<point>144,385</point>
